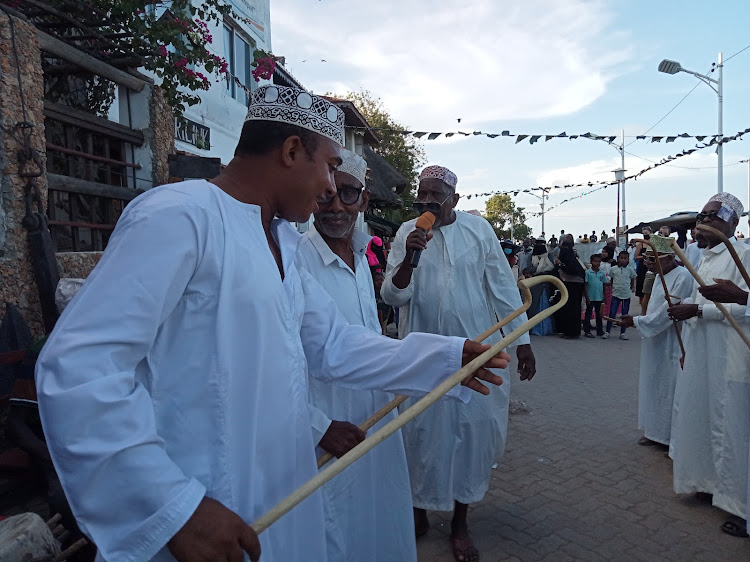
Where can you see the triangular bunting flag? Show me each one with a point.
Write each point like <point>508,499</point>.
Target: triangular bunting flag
<point>433,136</point>
<point>519,138</point>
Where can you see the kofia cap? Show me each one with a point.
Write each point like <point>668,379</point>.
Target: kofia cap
<point>729,204</point>
<point>354,165</point>
<point>297,107</point>
<point>440,173</point>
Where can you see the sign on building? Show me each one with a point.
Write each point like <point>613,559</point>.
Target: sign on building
<point>192,133</point>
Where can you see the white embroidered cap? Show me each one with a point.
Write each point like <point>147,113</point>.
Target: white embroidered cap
<point>729,204</point>
<point>353,164</point>
<point>297,107</point>
<point>440,173</point>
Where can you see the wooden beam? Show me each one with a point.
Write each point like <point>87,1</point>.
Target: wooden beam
<point>57,182</point>
<point>64,51</point>
<point>79,118</point>
<point>189,166</point>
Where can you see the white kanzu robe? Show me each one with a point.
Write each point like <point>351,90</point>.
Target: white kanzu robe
<point>180,370</point>
<point>367,508</point>
<point>660,356</point>
<point>462,285</point>
<point>711,424</point>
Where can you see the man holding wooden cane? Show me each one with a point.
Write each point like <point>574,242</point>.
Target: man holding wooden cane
<point>173,390</point>
<point>460,286</point>
<point>368,507</point>
<point>711,426</point>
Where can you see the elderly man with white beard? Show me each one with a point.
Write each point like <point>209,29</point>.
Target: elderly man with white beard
<point>368,507</point>
<point>711,425</point>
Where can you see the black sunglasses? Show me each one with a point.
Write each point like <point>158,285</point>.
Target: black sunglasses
<point>347,195</point>
<point>713,215</point>
<point>431,206</point>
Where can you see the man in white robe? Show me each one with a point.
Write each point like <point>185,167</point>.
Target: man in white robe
<point>173,390</point>
<point>660,349</point>
<point>711,425</point>
<point>461,286</point>
<point>727,292</point>
<point>368,507</point>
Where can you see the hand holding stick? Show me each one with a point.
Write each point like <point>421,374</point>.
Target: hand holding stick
<point>721,307</point>
<point>398,400</point>
<point>391,427</point>
<point>666,296</point>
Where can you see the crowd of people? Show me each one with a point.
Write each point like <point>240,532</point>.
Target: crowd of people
<point>214,353</point>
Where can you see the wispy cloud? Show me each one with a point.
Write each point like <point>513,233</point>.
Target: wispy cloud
<point>434,61</point>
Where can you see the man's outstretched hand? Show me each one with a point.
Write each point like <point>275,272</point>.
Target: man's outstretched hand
<point>341,437</point>
<point>472,350</point>
<point>724,291</point>
<point>212,533</point>
<point>526,362</point>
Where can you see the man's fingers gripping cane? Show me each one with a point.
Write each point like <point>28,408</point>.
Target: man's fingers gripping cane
<point>523,285</point>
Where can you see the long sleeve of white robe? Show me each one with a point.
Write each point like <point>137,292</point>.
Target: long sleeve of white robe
<point>183,340</point>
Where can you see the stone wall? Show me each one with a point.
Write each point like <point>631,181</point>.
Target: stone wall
<point>160,134</point>
<point>77,265</point>
<point>17,283</point>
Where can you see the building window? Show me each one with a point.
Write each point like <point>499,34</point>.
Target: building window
<point>238,53</point>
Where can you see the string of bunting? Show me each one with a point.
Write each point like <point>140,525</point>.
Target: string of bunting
<point>604,184</point>
<point>536,138</point>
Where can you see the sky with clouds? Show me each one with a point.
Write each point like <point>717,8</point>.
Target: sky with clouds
<point>540,67</point>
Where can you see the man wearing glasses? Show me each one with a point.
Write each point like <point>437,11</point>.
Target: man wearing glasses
<point>711,428</point>
<point>461,286</point>
<point>368,507</point>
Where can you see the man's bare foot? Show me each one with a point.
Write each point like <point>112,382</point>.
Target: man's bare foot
<point>463,546</point>
<point>421,523</point>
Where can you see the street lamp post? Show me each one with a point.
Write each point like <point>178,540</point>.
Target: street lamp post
<point>672,67</point>
<point>620,177</point>
<point>542,198</point>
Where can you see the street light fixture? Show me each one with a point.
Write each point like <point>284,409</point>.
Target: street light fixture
<point>673,67</point>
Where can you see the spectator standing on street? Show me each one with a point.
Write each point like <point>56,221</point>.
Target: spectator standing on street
<point>640,268</point>
<point>375,254</point>
<point>572,273</point>
<point>623,282</point>
<point>594,286</point>
<point>607,263</point>
<point>593,237</point>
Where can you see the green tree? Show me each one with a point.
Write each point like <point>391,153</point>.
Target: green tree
<point>171,39</point>
<point>501,212</point>
<point>403,153</point>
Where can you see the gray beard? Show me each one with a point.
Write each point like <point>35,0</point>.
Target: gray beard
<point>334,231</point>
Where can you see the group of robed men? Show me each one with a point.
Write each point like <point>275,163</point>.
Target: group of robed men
<point>700,412</point>
<point>185,387</point>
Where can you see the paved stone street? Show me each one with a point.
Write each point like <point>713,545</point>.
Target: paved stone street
<point>574,484</point>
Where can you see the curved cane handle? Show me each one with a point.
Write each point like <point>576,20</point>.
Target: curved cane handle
<point>405,417</point>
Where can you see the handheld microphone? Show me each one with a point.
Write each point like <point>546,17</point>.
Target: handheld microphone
<point>424,222</point>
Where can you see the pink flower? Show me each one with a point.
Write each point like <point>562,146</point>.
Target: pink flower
<point>182,63</point>
<point>162,50</point>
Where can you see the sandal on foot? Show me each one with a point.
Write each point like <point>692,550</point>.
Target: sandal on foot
<point>736,527</point>
<point>464,550</point>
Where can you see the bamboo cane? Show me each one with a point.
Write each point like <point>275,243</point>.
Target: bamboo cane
<point>394,425</point>
<point>666,296</point>
<point>721,307</point>
<point>730,247</point>
<point>325,458</point>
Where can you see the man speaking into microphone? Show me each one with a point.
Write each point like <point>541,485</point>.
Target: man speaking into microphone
<point>453,280</point>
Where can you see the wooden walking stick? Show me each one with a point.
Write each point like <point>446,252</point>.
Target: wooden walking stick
<point>405,417</point>
<point>721,307</point>
<point>675,323</point>
<point>325,458</point>
<point>728,243</point>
